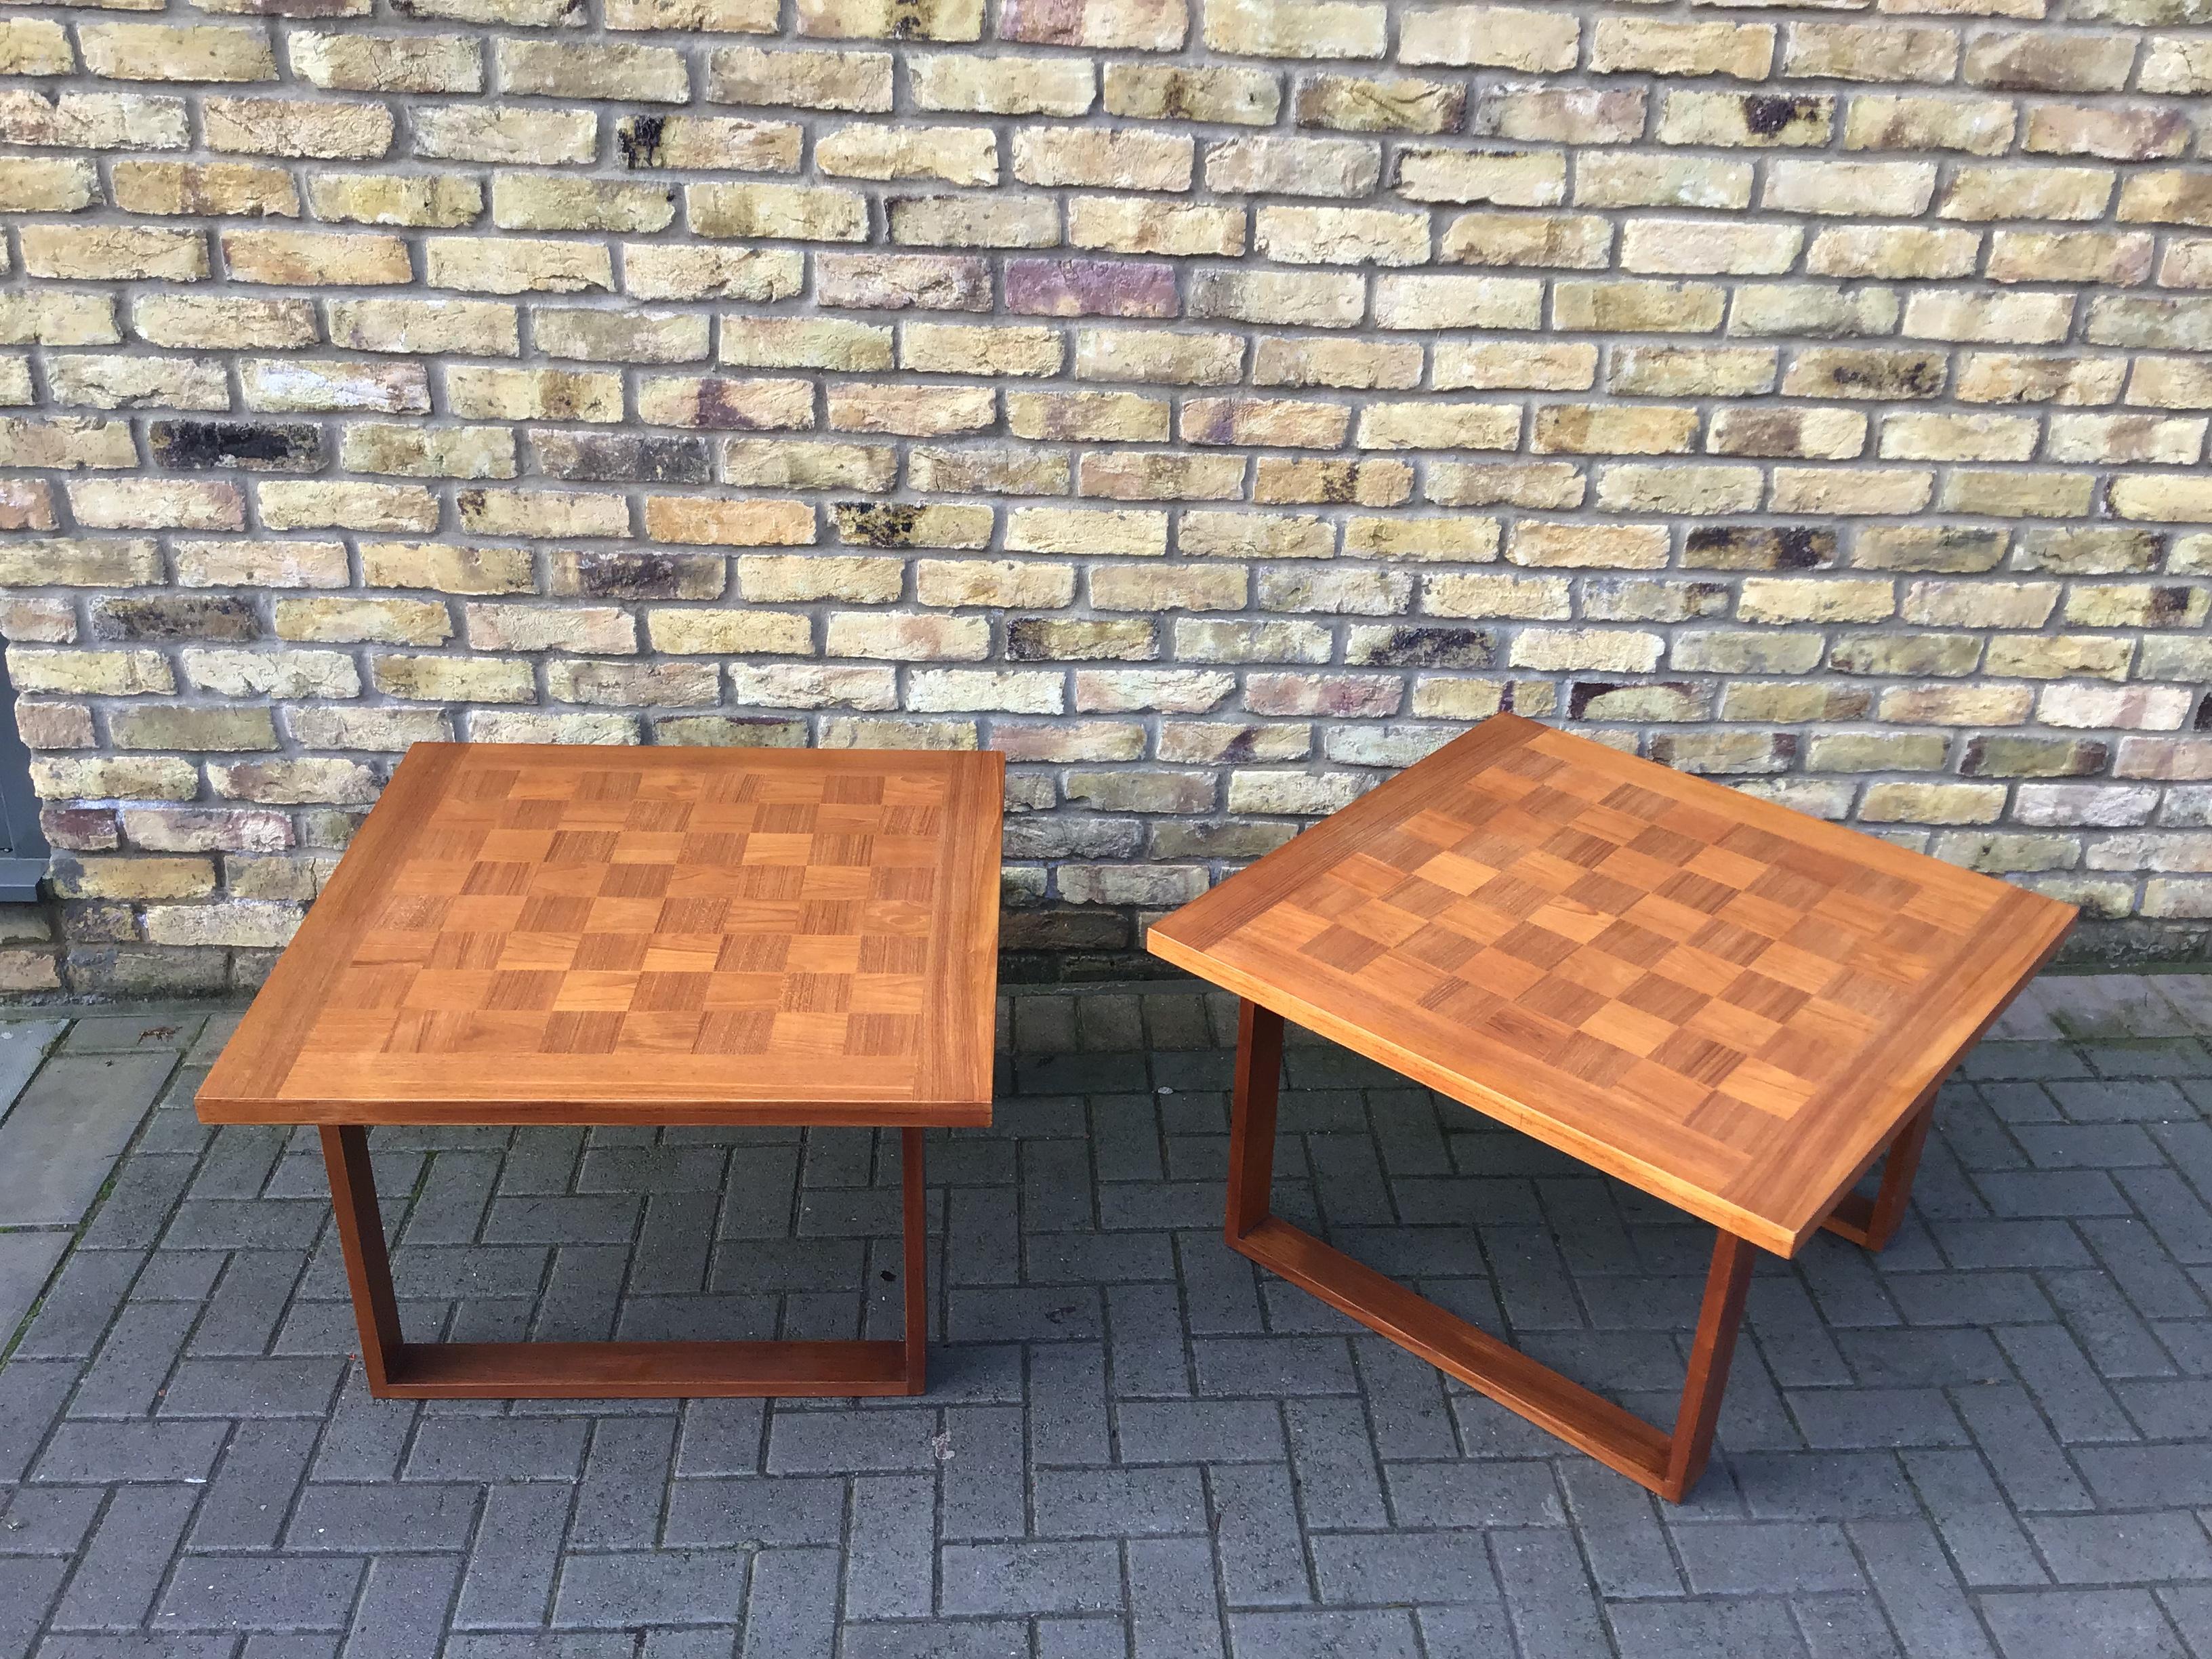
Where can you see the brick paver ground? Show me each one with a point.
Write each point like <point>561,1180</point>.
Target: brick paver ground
<point>1995,1439</point>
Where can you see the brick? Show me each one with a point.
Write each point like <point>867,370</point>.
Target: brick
<point>382,199</point>
<point>157,51</point>
<point>278,126</point>
<point>1359,104</point>
<point>1980,126</point>
<point>854,81</point>
<point>959,155</point>
<point>351,62</point>
<point>1293,166</point>
<point>1757,120</point>
<point>707,140</point>
<point>1300,28</point>
<point>1119,160</point>
<point>1241,97</point>
<point>561,69</point>
<point>922,20</point>
<point>506,133</point>
<point>1621,45</point>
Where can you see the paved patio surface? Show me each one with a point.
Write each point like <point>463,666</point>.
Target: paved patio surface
<point>1995,1439</point>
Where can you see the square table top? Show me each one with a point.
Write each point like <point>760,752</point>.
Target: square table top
<point>531,933</point>
<point>1726,1003</point>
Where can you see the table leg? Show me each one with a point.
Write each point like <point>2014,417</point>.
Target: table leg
<point>1720,1317</point>
<point>1872,1222</point>
<point>1258,1080</point>
<point>361,1240</point>
<point>1669,1464</point>
<point>915,1226</point>
<point>397,1369</point>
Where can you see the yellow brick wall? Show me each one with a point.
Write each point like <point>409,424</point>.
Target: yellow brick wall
<point>1214,405</point>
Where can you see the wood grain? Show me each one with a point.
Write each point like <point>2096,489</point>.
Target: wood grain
<point>539,934</point>
<point>1725,1003</point>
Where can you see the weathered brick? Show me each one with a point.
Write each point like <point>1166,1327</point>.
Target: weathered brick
<point>1241,97</point>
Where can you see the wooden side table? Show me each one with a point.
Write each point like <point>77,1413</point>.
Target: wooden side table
<point>532,933</point>
<point>1730,1005</point>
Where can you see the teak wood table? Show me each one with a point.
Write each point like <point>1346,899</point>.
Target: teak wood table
<point>528,933</point>
<point>1733,1007</point>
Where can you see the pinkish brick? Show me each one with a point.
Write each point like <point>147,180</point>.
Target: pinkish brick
<point>1090,287</point>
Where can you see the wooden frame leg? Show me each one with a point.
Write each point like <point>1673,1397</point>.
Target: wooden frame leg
<point>1259,1079</point>
<point>1872,1222</point>
<point>913,1206</point>
<point>361,1240</point>
<point>397,1369</point>
<point>1669,1464</point>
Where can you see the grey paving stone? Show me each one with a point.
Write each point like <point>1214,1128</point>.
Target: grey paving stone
<point>23,1044</point>
<point>1984,1535</point>
<point>750,1510</point>
<point>27,1261</point>
<point>510,1566</point>
<point>1256,1542</point>
<point>1340,1483</point>
<point>1376,1634</point>
<point>1517,1494</point>
<point>1761,1557</point>
<point>132,1033</point>
<point>660,1587</point>
<point>481,1449</point>
<point>1402,1568</point>
<point>1627,1549</point>
<point>273,1387</point>
<point>48,1520</point>
<point>1844,1417</point>
<point>80,1301</point>
<point>1930,1611</point>
<point>182,1644</point>
<point>65,1131</point>
<point>2122,1549</point>
<point>1199,1431</point>
<point>404,1607</point>
<point>1843,1628</point>
<point>28,1583</point>
<point>546,1644</point>
<point>981,1485</point>
<point>890,1558</point>
<point>122,1566</point>
<point>618,1504</point>
<point>1030,1578</point>
<point>1173,1605</point>
<point>246,1592</point>
<point>245,1504</point>
<point>105,1452</point>
<point>847,1442</point>
<point>370,1520</point>
<point>969,1638</point>
<point>2148,1476</point>
<point>1713,1630</point>
<point>2067,1623</point>
<point>2026,1457</point>
<point>790,1607</point>
<point>1548,1593</point>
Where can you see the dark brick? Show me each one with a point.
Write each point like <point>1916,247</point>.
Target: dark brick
<point>220,616</point>
<point>246,445</point>
<point>622,457</point>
